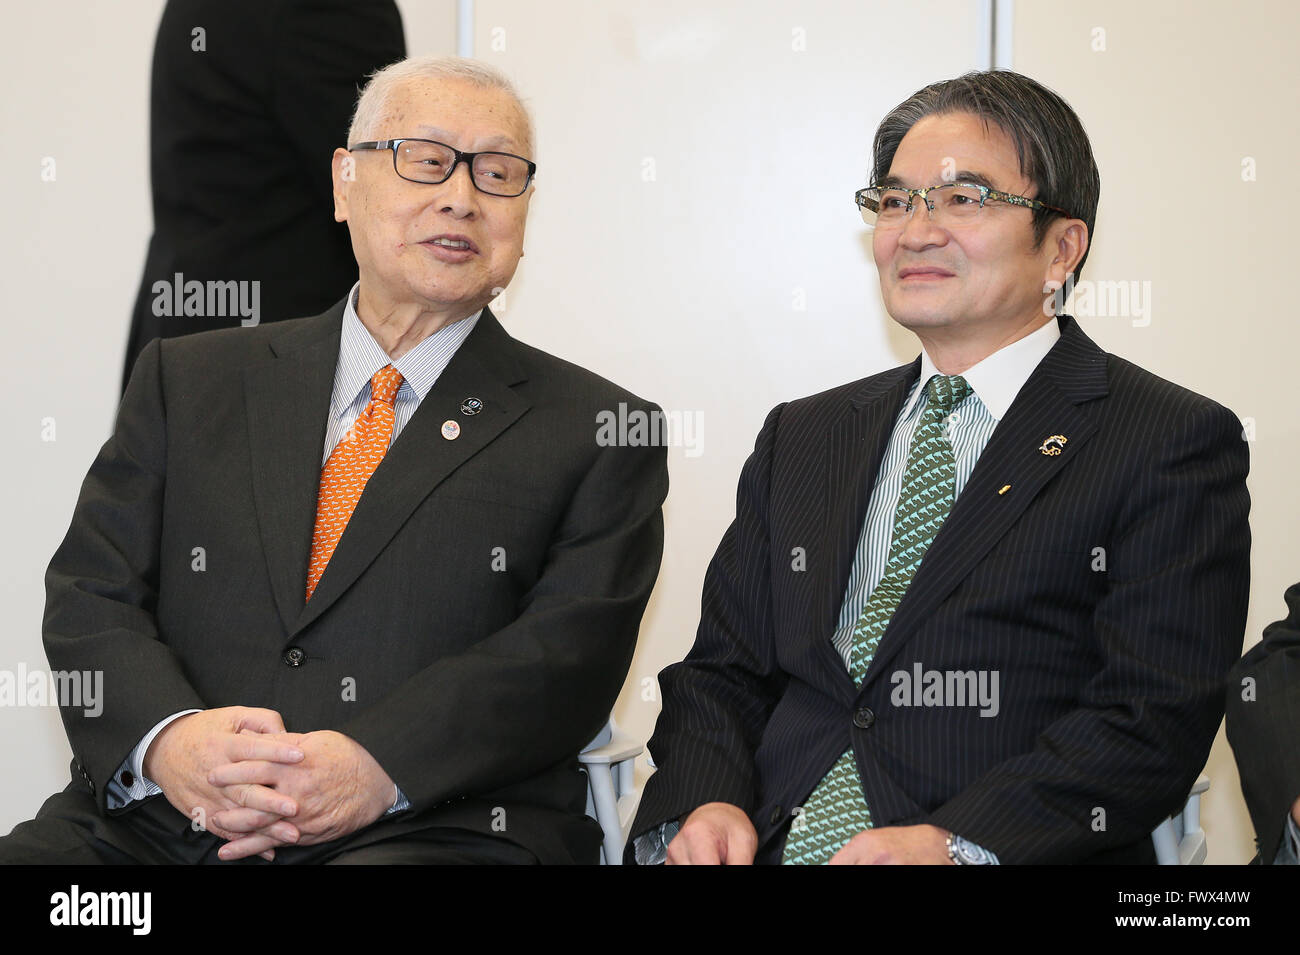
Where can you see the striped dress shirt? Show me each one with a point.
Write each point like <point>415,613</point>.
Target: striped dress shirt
<point>360,356</point>
<point>995,381</point>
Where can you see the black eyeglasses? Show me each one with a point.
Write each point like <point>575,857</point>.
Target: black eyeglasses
<point>423,160</point>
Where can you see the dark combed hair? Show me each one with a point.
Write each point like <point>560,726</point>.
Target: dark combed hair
<point>1053,147</point>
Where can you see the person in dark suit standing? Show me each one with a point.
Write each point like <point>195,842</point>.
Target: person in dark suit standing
<point>362,585</point>
<point>978,608</point>
<point>1263,726</point>
<point>248,100</point>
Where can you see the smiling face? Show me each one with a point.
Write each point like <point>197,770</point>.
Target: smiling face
<point>439,248</point>
<point>981,281</point>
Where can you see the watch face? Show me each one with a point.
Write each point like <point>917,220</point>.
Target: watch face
<point>973,856</point>
<point>965,852</point>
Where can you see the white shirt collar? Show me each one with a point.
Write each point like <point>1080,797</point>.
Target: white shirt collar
<point>997,379</point>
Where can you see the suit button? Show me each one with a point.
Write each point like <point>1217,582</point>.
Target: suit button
<point>776,817</point>
<point>294,656</point>
<point>128,780</point>
<point>864,719</point>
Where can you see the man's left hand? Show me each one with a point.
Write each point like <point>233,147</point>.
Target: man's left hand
<point>338,786</point>
<point>896,845</point>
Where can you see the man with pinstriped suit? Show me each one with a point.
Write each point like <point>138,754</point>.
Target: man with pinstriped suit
<point>979,608</point>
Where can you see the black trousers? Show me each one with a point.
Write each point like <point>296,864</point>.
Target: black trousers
<point>68,830</point>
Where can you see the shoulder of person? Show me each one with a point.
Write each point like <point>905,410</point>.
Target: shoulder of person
<point>566,383</point>
<point>1164,403</point>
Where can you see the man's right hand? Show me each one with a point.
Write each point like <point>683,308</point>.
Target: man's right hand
<point>716,833</point>
<point>181,756</point>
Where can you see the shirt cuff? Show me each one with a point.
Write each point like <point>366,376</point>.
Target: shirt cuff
<point>399,803</point>
<point>129,783</point>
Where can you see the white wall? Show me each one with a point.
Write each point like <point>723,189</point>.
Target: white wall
<point>692,237</point>
<point>72,254</point>
<point>1180,95</point>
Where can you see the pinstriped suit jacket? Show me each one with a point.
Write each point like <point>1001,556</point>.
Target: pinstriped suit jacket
<point>1107,588</point>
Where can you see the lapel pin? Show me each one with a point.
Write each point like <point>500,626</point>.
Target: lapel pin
<point>450,430</point>
<point>1053,445</point>
<point>1004,489</point>
<point>471,406</point>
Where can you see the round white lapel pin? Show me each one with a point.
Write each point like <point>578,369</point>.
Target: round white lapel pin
<point>450,430</point>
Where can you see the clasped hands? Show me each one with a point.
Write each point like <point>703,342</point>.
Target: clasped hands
<point>237,773</point>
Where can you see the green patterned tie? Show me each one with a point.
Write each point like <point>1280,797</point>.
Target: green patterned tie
<point>836,811</point>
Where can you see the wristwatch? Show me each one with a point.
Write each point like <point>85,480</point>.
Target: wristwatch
<point>964,852</point>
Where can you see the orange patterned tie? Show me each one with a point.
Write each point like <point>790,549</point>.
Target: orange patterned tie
<point>349,467</point>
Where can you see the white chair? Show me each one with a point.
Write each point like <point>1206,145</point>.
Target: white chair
<point>612,798</point>
<point>1180,840</point>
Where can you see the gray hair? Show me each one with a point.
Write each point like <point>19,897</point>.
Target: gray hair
<point>1053,147</point>
<point>372,104</point>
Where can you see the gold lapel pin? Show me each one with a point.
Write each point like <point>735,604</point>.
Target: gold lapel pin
<point>1053,445</point>
<point>1005,488</point>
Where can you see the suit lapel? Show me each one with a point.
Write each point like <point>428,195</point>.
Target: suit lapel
<point>421,458</point>
<point>1072,373</point>
<point>288,402</point>
<point>855,446</point>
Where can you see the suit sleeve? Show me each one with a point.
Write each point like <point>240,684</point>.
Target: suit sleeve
<point>102,588</point>
<point>535,692</point>
<point>1263,724</point>
<point>717,701</point>
<point>1169,626</point>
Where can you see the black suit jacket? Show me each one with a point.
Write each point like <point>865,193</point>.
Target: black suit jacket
<point>1110,679</point>
<point>1265,730</point>
<point>241,135</point>
<point>473,626</point>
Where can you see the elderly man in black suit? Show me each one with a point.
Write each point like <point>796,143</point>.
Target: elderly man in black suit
<point>978,608</point>
<point>360,585</point>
